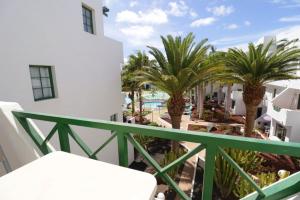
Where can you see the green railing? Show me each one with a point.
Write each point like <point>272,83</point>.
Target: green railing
<point>214,144</point>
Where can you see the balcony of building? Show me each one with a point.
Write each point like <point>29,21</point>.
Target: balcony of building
<point>285,107</point>
<point>78,177</point>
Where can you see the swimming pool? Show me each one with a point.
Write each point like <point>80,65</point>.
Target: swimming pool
<point>157,95</point>
<point>151,101</point>
<point>152,105</point>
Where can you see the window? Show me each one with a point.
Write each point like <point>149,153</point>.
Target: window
<point>42,83</point>
<point>274,93</point>
<point>87,15</point>
<point>114,117</point>
<point>280,132</point>
<point>232,104</point>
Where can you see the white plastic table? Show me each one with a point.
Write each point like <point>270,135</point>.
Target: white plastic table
<point>63,176</point>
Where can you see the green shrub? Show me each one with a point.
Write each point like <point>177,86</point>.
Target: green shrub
<point>153,124</point>
<point>244,188</point>
<point>170,157</point>
<point>146,112</point>
<point>143,140</point>
<point>207,115</point>
<point>127,113</point>
<point>226,176</point>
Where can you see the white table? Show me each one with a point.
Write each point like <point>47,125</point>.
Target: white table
<point>63,176</point>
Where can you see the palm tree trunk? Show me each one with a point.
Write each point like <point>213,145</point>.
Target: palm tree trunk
<point>228,101</point>
<point>196,95</point>
<point>141,105</point>
<point>176,106</point>
<point>131,96</point>
<point>250,118</point>
<point>219,95</point>
<point>201,97</point>
<point>252,96</point>
<point>211,91</point>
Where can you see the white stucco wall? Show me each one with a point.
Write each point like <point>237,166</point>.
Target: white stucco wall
<point>17,146</point>
<point>86,66</point>
<point>239,106</point>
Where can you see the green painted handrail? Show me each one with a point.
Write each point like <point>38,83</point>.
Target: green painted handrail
<point>213,143</point>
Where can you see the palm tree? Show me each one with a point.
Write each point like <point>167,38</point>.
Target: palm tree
<point>136,63</point>
<point>206,73</point>
<point>129,84</point>
<point>173,71</point>
<point>228,101</point>
<point>256,67</point>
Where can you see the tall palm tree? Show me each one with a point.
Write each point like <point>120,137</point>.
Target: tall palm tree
<point>173,70</point>
<point>206,73</point>
<point>256,67</point>
<point>136,63</point>
<point>129,84</point>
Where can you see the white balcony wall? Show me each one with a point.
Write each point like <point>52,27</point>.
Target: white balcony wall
<point>237,87</point>
<point>17,146</point>
<point>287,118</point>
<point>239,106</point>
<point>280,115</point>
<point>287,99</point>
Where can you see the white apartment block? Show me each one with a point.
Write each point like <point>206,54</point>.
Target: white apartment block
<point>279,113</point>
<point>56,59</point>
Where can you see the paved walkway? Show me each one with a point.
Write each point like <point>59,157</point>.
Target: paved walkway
<point>189,170</point>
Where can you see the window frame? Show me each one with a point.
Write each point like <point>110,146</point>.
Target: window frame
<point>49,68</point>
<point>274,92</point>
<point>85,19</point>
<point>114,117</point>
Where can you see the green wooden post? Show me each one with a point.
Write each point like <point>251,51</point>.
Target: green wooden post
<point>209,171</point>
<point>122,149</point>
<point>63,138</point>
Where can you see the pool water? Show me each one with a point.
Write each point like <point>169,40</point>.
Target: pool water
<point>157,95</point>
<point>151,101</point>
<point>152,105</point>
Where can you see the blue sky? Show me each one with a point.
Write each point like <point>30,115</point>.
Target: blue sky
<point>226,23</point>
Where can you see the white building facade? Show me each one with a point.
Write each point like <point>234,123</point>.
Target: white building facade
<point>55,59</point>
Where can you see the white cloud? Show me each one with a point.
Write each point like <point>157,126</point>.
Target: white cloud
<point>133,3</point>
<point>155,16</point>
<point>247,23</point>
<point>221,10</point>
<point>138,32</point>
<point>140,36</point>
<point>231,26</point>
<point>203,22</point>
<point>177,9</point>
<point>295,18</point>
<point>193,14</point>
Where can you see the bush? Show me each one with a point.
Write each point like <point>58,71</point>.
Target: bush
<point>207,115</point>
<point>127,113</point>
<point>143,140</point>
<point>226,176</point>
<point>146,112</point>
<point>170,157</point>
<point>244,188</point>
<point>153,124</point>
